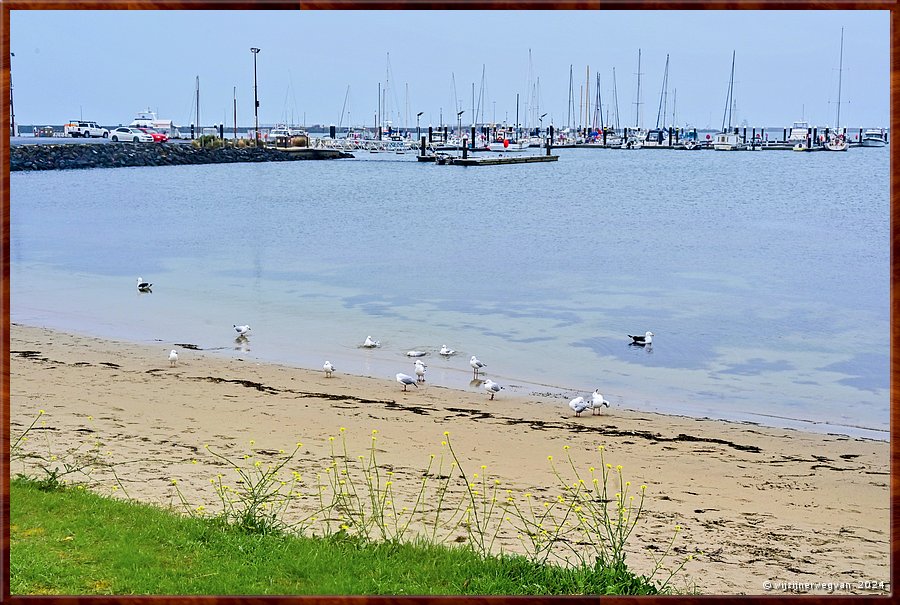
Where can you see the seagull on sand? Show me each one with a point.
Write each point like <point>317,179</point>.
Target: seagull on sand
<point>476,365</point>
<point>371,344</point>
<point>640,341</point>
<point>420,371</point>
<point>491,387</point>
<point>406,380</point>
<point>173,358</point>
<point>445,350</point>
<point>597,401</point>
<point>329,369</point>
<point>579,405</point>
<point>241,330</point>
<point>142,285</point>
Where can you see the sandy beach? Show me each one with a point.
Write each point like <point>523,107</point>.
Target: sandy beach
<point>755,504</point>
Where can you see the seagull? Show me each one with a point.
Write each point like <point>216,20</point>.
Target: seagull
<point>371,344</point>
<point>579,405</point>
<point>420,370</point>
<point>142,285</point>
<point>416,353</point>
<point>406,380</point>
<point>173,358</point>
<point>597,401</point>
<point>329,369</point>
<point>445,350</point>
<point>241,330</point>
<point>491,387</point>
<point>646,339</point>
<point>476,365</point>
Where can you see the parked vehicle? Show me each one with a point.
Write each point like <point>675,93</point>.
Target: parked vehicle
<point>158,137</point>
<point>133,135</point>
<point>44,131</point>
<point>82,128</point>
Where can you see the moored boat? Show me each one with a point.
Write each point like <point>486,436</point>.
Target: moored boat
<point>148,119</point>
<point>874,137</point>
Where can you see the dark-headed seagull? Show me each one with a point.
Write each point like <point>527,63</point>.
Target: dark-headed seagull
<point>597,401</point>
<point>492,387</point>
<point>579,405</point>
<point>646,339</point>
<point>406,380</point>
<point>476,365</point>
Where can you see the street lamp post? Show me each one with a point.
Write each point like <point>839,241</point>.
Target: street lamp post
<point>11,108</point>
<point>255,51</point>
<point>418,134</point>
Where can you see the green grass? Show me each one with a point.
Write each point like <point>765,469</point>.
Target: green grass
<point>71,541</point>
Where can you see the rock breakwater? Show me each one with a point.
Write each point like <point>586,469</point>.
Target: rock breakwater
<point>117,155</point>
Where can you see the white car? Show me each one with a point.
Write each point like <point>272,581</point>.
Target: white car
<point>133,135</point>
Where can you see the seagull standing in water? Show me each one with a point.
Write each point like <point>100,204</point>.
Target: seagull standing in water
<point>371,344</point>
<point>241,330</point>
<point>492,387</point>
<point>142,285</point>
<point>579,405</point>
<point>329,369</point>
<point>476,365</point>
<point>420,371</point>
<point>597,401</point>
<point>641,341</point>
<point>445,350</point>
<point>406,380</point>
<point>173,358</point>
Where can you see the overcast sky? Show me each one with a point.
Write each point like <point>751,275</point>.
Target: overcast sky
<point>325,66</point>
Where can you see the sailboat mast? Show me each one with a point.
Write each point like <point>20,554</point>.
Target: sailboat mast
<point>727,113</point>
<point>571,108</point>
<point>616,98</point>
<point>587,97</point>
<point>837,122</point>
<point>637,110</point>
<point>198,106</point>
<point>661,112</point>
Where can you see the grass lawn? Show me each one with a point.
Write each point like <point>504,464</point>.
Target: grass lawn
<point>71,541</point>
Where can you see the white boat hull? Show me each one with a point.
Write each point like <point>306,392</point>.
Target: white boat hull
<point>513,146</point>
<point>873,143</point>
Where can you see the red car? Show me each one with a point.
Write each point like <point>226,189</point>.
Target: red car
<point>158,137</point>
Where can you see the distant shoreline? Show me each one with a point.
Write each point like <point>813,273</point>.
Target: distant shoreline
<point>64,156</point>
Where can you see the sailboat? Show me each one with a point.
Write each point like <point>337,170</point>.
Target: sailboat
<point>727,140</point>
<point>659,136</point>
<point>635,138</point>
<point>836,140</point>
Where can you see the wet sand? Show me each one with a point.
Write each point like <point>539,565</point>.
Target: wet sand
<point>755,504</point>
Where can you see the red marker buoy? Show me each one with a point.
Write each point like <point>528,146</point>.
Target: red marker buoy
<point>505,143</point>
<point>708,137</point>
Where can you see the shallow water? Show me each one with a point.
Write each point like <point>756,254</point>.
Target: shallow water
<point>764,276</point>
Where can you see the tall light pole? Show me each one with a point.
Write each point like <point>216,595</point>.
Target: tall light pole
<point>11,108</point>
<point>418,115</point>
<point>255,51</point>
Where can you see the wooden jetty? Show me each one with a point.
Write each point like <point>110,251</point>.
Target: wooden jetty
<point>495,161</point>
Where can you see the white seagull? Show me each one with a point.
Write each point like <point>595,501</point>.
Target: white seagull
<point>406,380</point>
<point>371,344</point>
<point>579,405</point>
<point>476,365</point>
<point>491,387</point>
<point>597,401</point>
<point>241,330</point>
<point>173,358</point>
<point>415,353</point>
<point>142,285</point>
<point>646,339</point>
<point>420,371</point>
<point>329,369</point>
<point>445,350</point>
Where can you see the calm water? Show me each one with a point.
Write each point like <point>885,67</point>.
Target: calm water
<point>764,276</point>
